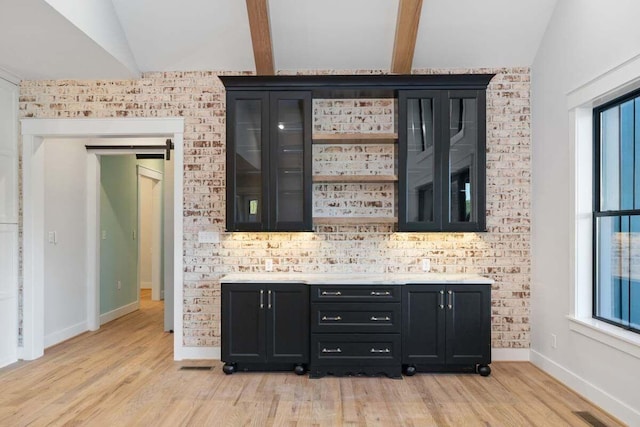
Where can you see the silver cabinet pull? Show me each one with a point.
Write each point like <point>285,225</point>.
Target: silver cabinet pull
<point>380,294</point>
<point>332,350</point>
<point>450,299</point>
<point>332,319</point>
<point>261,298</point>
<point>375,350</point>
<point>269,300</point>
<point>441,298</point>
<point>380,319</point>
<point>333,294</point>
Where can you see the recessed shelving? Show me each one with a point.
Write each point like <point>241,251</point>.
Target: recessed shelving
<point>354,178</point>
<point>354,138</point>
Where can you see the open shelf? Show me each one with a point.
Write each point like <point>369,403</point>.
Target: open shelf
<point>347,220</point>
<point>354,178</point>
<point>354,138</point>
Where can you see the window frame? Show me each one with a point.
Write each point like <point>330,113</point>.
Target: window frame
<point>597,212</point>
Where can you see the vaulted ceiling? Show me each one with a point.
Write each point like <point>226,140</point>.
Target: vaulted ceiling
<point>100,39</point>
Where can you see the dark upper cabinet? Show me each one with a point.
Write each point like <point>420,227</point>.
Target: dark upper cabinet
<point>268,161</point>
<point>446,326</point>
<point>441,148</point>
<point>442,156</point>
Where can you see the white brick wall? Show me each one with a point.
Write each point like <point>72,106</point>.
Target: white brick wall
<point>502,253</point>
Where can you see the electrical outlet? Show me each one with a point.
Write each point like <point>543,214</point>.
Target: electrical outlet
<point>554,341</point>
<point>119,284</point>
<point>104,235</point>
<point>208,237</point>
<point>268,264</point>
<point>426,264</point>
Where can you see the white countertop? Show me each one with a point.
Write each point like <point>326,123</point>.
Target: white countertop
<point>356,278</point>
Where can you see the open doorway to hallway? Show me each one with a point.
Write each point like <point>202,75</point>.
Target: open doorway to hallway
<point>131,233</point>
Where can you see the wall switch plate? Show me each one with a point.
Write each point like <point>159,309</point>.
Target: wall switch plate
<point>53,238</point>
<point>103,235</point>
<point>554,341</point>
<point>426,264</point>
<point>268,264</point>
<point>208,237</point>
<point>119,284</point>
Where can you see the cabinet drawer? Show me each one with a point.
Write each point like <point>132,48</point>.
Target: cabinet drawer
<point>351,317</point>
<point>355,349</point>
<point>356,293</point>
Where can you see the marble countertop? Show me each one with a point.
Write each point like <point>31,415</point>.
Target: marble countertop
<point>356,278</point>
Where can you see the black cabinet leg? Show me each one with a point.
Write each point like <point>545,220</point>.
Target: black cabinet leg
<point>229,368</point>
<point>299,370</point>
<point>484,370</point>
<point>410,370</point>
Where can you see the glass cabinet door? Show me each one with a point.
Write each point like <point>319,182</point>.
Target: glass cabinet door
<point>441,167</point>
<point>247,115</point>
<point>465,162</point>
<point>290,166</point>
<point>419,190</point>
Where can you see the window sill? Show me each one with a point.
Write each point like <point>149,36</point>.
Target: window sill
<point>617,338</point>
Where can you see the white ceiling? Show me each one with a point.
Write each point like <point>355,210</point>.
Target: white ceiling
<point>53,39</point>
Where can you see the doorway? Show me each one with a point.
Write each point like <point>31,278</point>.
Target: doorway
<point>35,132</point>
<point>150,247</point>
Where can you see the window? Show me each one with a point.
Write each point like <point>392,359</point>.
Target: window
<point>616,246</point>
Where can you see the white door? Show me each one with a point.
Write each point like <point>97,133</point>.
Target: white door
<point>8,223</point>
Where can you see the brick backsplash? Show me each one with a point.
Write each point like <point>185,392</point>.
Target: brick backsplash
<point>502,253</point>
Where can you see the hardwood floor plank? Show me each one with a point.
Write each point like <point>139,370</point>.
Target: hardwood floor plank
<point>124,375</point>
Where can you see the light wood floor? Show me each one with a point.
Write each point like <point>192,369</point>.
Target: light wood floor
<point>124,375</point>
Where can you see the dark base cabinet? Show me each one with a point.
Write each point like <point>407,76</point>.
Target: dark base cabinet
<point>356,330</point>
<point>265,327</point>
<point>446,328</point>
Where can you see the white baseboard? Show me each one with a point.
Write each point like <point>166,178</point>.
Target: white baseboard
<point>7,361</point>
<point>197,353</point>
<point>63,335</point>
<point>510,354</point>
<point>596,395</point>
<point>119,312</point>
<point>145,285</point>
<point>497,354</point>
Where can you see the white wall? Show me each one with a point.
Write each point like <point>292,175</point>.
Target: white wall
<point>8,223</point>
<point>65,286</point>
<point>584,40</point>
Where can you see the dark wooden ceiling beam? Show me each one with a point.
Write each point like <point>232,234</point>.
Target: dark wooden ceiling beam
<point>404,44</point>
<point>258,12</point>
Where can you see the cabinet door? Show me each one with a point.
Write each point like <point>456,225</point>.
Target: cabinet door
<point>288,323</point>
<point>468,324</point>
<point>423,325</point>
<point>464,161</point>
<point>247,160</point>
<point>243,323</point>
<point>290,180</point>
<point>419,162</point>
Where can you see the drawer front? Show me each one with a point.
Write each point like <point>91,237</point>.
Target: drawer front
<point>356,293</point>
<point>350,317</point>
<point>355,349</point>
